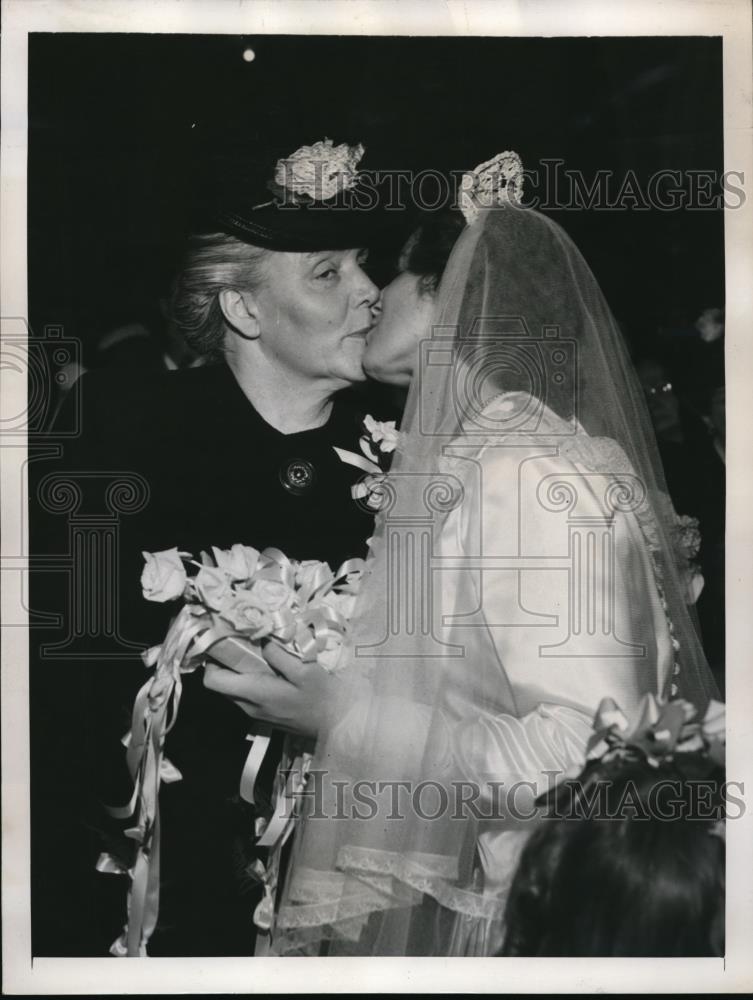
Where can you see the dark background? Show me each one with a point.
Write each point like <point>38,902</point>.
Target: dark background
<point>119,126</point>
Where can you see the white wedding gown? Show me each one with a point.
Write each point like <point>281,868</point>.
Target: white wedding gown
<point>574,615</point>
<point>550,601</point>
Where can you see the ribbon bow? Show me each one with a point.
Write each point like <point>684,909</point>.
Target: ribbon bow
<point>380,438</point>
<point>197,632</point>
<point>657,730</point>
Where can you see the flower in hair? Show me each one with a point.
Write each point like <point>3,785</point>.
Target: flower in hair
<point>491,183</point>
<point>318,172</point>
<point>689,535</point>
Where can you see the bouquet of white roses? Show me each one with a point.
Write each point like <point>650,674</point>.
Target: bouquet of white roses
<point>232,602</point>
<point>256,595</point>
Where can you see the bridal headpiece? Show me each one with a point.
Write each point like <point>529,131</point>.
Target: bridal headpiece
<point>494,182</point>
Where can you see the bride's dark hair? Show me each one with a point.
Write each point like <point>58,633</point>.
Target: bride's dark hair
<point>621,885</point>
<point>428,249</point>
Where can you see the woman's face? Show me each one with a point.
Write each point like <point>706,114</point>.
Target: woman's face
<point>314,312</point>
<point>392,344</point>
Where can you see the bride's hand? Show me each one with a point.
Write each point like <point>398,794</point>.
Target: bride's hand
<point>293,698</point>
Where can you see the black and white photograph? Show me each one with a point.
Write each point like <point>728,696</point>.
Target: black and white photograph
<point>376,557</point>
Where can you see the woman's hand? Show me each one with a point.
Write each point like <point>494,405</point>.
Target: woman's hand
<point>295,697</point>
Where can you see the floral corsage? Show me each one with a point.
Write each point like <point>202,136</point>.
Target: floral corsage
<point>377,443</point>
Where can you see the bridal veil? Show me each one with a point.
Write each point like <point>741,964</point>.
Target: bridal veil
<point>526,562</point>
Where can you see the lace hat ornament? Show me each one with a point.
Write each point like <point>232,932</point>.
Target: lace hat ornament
<point>311,199</point>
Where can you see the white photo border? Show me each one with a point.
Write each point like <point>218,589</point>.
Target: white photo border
<point>730,19</point>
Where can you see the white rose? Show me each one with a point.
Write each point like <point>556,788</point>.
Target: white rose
<point>272,594</point>
<point>245,615</point>
<point>164,576</point>
<point>311,572</point>
<point>212,587</point>
<point>239,563</point>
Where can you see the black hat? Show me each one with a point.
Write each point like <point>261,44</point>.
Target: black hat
<point>312,199</point>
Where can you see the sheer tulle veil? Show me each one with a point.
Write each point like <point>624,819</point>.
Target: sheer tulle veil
<point>519,319</point>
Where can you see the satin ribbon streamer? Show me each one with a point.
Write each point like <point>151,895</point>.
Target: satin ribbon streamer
<point>191,637</point>
<point>275,835</point>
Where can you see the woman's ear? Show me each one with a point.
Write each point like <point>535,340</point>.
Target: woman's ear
<point>240,312</point>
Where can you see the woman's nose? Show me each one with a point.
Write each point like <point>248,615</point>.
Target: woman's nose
<point>367,292</point>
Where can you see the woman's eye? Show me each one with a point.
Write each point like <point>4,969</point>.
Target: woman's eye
<point>327,274</point>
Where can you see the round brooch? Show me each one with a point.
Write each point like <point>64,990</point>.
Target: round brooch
<point>297,475</point>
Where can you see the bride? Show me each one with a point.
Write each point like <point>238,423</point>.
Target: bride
<point>526,564</point>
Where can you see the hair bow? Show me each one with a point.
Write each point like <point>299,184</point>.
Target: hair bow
<point>657,731</point>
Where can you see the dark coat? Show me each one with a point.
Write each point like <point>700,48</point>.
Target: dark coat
<point>216,474</point>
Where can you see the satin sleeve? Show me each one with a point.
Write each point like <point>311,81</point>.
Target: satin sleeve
<point>566,604</point>
<point>510,762</point>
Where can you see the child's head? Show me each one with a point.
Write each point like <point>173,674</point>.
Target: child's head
<point>629,861</point>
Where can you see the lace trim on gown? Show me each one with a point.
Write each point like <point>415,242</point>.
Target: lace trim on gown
<point>371,880</point>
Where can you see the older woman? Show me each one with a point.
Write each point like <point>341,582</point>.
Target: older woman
<point>274,292</point>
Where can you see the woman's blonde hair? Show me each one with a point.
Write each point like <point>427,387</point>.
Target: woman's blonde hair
<point>214,262</point>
